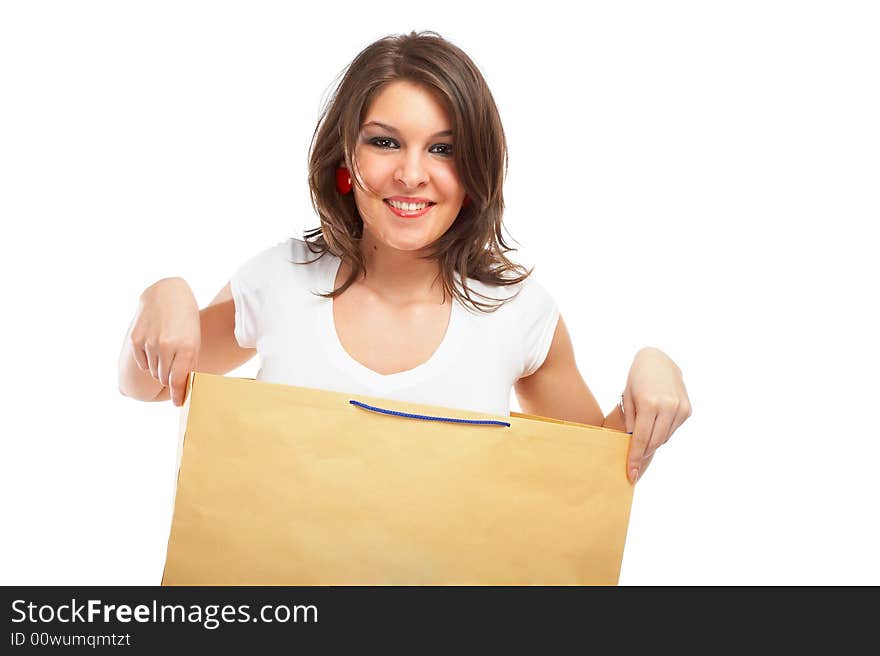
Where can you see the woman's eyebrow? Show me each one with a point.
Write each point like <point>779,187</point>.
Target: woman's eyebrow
<point>391,128</point>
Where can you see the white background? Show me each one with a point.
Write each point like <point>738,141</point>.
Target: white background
<point>697,176</point>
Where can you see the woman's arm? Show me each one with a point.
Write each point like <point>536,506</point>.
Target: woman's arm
<point>218,352</point>
<point>655,400</point>
<point>656,403</point>
<point>557,389</point>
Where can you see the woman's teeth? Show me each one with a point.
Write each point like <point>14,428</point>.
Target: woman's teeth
<point>408,207</point>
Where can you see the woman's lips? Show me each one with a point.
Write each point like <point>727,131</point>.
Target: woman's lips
<point>405,214</point>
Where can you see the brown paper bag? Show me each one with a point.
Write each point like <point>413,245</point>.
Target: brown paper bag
<point>282,485</point>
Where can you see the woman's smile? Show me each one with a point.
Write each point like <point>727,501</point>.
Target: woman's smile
<point>409,210</point>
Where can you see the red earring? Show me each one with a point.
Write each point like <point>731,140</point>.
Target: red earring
<point>467,201</point>
<point>343,180</point>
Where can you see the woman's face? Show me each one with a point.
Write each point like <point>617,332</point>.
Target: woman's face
<point>408,158</point>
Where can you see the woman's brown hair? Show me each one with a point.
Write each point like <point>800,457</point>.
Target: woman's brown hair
<point>474,245</point>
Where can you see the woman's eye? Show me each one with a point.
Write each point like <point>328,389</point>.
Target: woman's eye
<point>380,141</point>
<point>385,143</point>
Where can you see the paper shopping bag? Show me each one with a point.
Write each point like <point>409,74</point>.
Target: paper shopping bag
<point>283,485</point>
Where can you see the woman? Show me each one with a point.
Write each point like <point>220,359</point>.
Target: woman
<point>411,295</point>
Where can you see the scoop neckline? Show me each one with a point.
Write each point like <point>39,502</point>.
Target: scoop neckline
<point>438,360</point>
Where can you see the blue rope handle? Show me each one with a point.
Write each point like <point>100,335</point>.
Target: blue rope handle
<point>488,422</point>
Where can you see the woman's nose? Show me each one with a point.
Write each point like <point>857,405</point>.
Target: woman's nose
<point>412,171</point>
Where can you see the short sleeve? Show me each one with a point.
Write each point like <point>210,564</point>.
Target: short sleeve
<point>251,285</point>
<point>539,315</point>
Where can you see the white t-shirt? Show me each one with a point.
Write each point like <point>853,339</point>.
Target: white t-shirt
<point>480,358</point>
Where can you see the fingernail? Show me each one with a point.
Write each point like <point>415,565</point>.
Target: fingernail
<point>634,474</point>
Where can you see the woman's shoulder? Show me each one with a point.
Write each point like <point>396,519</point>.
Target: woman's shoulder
<point>291,249</point>
<point>290,255</point>
<point>299,250</point>
<point>524,297</point>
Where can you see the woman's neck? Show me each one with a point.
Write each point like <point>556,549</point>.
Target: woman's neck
<point>399,276</point>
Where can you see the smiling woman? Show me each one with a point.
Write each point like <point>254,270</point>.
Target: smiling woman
<point>411,295</point>
<point>413,120</point>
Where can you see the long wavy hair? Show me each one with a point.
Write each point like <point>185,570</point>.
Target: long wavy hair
<point>473,246</point>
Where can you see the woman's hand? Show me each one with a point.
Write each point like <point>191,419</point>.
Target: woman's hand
<point>166,334</point>
<point>655,404</point>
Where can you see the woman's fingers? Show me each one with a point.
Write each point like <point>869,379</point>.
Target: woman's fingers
<point>166,357</point>
<point>152,353</point>
<point>684,412</point>
<point>140,357</point>
<point>166,331</point>
<point>660,434</point>
<point>641,437</point>
<point>184,362</point>
<point>629,410</point>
